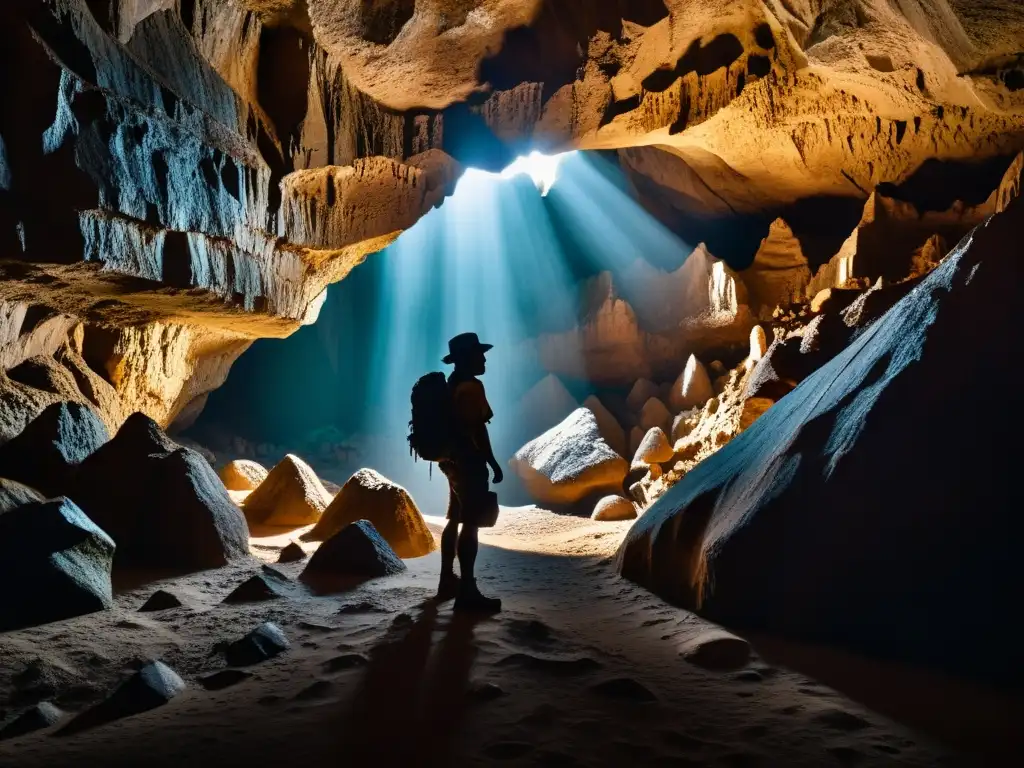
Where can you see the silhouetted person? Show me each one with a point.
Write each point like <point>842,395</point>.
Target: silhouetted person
<point>469,498</point>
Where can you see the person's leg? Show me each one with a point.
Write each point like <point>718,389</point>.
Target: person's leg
<point>469,544</point>
<point>448,586</point>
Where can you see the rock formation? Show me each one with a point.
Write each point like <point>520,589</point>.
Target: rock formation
<point>291,495</point>
<point>613,508</point>
<point>152,686</point>
<point>14,495</point>
<point>54,563</point>
<point>242,475</point>
<point>607,425</point>
<point>356,551</point>
<point>264,642</point>
<point>368,495</point>
<point>569,462</point>
<point>170,510</point>
<point>693,387</point>
<point>654,448</point>
<point>878,530</point>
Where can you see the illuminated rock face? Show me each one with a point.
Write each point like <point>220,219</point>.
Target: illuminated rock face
<point>180,178</point>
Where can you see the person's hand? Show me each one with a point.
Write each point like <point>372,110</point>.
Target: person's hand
<point>498,474</point>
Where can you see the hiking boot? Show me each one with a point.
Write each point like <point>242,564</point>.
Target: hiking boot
<point>447,587</point>
<point>471,601</point>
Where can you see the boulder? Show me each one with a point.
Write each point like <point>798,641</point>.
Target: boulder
<point>13,495</point>
<point>356,551</point>
<point>569,462</point>
<point>291,495</point>
<point>693,387</point>
<point>35,718</point>
<point>607,425</point>
<point>51,447</point>
<point>292,553</point>
<point>716,649</point>
<point>264,642</point>
<point>54,564</point>
<point>152,686</point>
<point>267,584</point>
<point>160,600</point>
<point>162,504</point>
<point>840,509</point>
<point>642,391</point>
<point>654,448</point>
<point>242,475</point>
<point>368,495</point>
<point>655,414</point>
<point>614,508</point>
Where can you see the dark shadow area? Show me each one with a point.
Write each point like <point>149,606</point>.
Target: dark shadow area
<point>937,184</point>
<point>408,684</point>
<point>960,713</point>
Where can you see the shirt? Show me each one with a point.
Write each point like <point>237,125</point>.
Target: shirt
<point>472,411</point>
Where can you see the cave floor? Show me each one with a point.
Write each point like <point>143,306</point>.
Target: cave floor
<point>580,669</point>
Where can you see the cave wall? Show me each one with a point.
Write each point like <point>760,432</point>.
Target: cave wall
<point>181,177</point>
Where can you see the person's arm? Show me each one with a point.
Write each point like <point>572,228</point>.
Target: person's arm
<point>482,441</point>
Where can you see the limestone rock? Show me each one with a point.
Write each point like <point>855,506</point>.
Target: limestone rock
<point>642,391</point>
<point>267,584</point>
<point>163,505</point>
<point>758,344</point>
<point>780,271</point>
<point>716,649</point>
<point>368,495</point>
<point>655,414</point>
<point>160,600</point>
<point>356,551</point>
<point>607,425</point>
<point>14,495</point>
<point>152,686</point>
<point>54,564</point>
<point>291,495</point>
<point>52,446</point>
<point>35,718</point>
<point>613,508</point>
<point>654,448</point>
<point>242,475</point>
<point>821,476</point>
<point>683,424</point>
<point>569,462</point>
<point>693,387</point>
<point>264,642</point>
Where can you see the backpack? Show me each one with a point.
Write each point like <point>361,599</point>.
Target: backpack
<point>430,430</point>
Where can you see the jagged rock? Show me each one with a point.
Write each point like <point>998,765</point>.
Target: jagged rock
<point>569,462</point>
<point>152,686</point>
<point>683,424</point>
<point>264,642</point>
<point>823,477</point>
<point>292,553</point>
<point>547,402</point>
<point>35,718</point>
<point>51,447</point>
<point>607,425</point>
<point>642,391</point>
<point>654,448</point>
<point>160,600</point>
<point>716,649</point>
<point>54,564</point>
<point>291,495</point>
<point>268,584</point>
<point>780,272</point>
<point>242,475</point>
<point>13,495</point>
<point>368,495</point>
<point>357,550</point>
<point>163,505</point>
<point>655,414</point>
<point>614,508</point>
<point>693,387</point>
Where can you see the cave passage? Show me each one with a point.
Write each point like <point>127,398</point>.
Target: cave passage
<point>505,257</point>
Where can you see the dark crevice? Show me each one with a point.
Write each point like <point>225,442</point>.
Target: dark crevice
<point>177,260</point>
<point>229,177</point>
<point>758,66</point>
<point>620,107</point>
<point>382,20</point>
<point>282,81</point>
<point>1014,79</point>
<point>937,184</point>
<point>763,36</point>
<point>721,52</point>
<point>188,13</point>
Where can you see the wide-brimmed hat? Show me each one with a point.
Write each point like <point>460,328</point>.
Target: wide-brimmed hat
<point>462,346</point>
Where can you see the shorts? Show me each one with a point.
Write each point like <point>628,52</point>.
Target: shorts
<point>468,484</point>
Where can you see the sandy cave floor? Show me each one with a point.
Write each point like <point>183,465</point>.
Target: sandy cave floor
<point>423,691</point>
